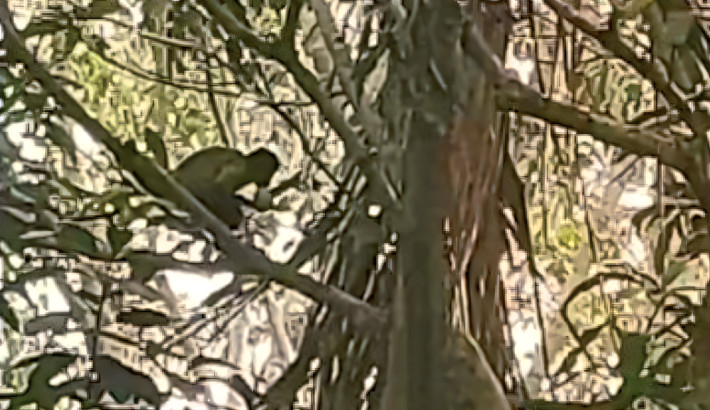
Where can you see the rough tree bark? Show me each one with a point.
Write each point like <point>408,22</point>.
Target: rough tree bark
<point>452,160</point>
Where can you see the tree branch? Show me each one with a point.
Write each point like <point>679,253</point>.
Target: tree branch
<point>166,81</point>
<point>285,54</point>
<point>170,42</point>
<point>513,95</point>
<point>653,70</point>
<point>304,141</point>
<point>344,68</point>
<point>339,52</point>
<point>244,259</point>
<point>215,108</point>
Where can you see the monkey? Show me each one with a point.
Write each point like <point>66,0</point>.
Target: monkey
<point>214,174</point>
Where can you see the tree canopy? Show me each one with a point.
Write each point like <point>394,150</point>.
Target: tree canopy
<point>346,204</point>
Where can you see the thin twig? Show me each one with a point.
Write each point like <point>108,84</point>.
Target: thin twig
<point>97,328</point>
<point>166,81</point>
<point>304,142</point>
<point>245,300</point>
<point>215,109</point>
<point>309,83</point>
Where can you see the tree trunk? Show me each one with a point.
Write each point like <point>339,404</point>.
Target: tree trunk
<point>451,166</point>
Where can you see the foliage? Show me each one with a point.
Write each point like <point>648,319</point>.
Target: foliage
<point>113,212</point>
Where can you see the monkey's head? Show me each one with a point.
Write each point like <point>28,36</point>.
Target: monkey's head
<point>261,166</point>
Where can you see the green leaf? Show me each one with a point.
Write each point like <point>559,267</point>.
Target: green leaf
<point>59,136</point>
<point>39,390</point>
<point>156,145</point>
<point>8,315</point>
<point>66,188</point>
<point>56,322</point>
<point>195,120</point>
<point>116,197</point>
<point>589,335</point>
<point>118,238</point>
<point>670,274</point>
<point>48,364</point>
<point>71,38</point>
<point>633,355</point>
<point>664,240</point>
<point>187,22</point>
<point>12,228</point>
<point>34,101</point>
<point>76,239</point>
<point>122,382</point>
<point>90,297</point>
<point>143,268</point>
<point>100,8</point>
<point>278,4</point>
<point>143,317</point>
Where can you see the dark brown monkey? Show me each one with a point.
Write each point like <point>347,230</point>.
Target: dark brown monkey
<point>213,175</point>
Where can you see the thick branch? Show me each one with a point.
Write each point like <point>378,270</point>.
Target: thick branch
<point>513,95</point>
<point>244,259</point>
